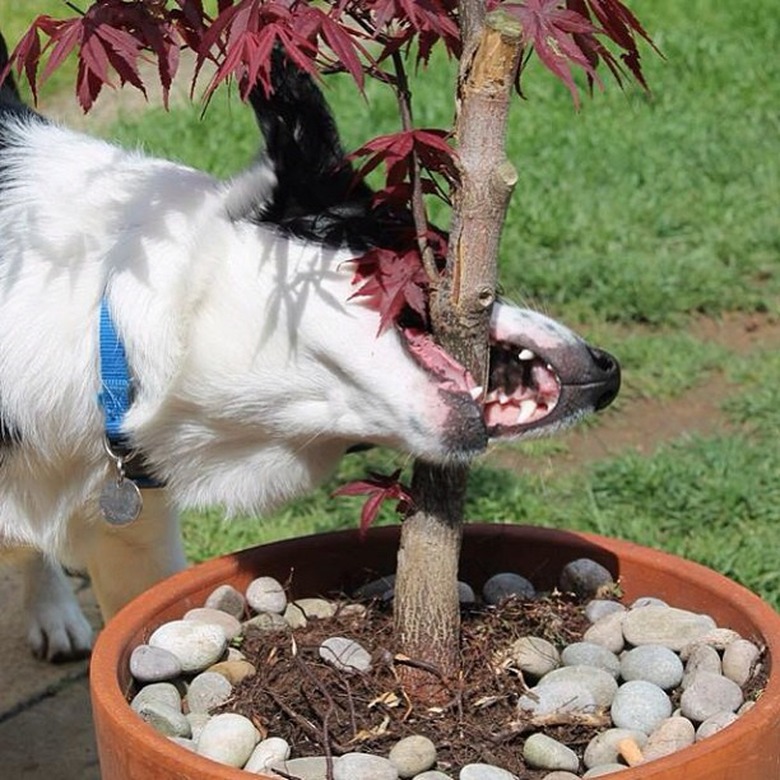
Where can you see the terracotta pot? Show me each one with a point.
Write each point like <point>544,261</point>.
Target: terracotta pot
<point>131,750</point>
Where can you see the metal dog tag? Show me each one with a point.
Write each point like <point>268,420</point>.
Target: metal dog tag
<point>120,501</point>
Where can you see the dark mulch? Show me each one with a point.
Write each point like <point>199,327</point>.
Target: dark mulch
<point>323,711</point>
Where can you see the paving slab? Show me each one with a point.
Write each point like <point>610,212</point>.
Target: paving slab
<point>45,715</point>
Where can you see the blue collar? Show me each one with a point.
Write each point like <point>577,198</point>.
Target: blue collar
<point>115,398</point>
<point>115,381</point>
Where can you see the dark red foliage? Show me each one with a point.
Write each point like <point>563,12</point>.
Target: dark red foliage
<point>111,36</point>
<point>379,488</point>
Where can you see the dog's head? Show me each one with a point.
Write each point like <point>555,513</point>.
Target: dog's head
<point>395,387</point>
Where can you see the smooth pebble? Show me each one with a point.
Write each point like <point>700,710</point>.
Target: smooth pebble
<point>208,690</point>
<point>264,623</point>
<point>668,626</point>
<point>709,694</point>
<point>668,737</point>
<point>608,632</point>
<point>484,772</point>
<point>229,624</point>
<point>298,612</point>
<point>739,660</point>
<point>585,578</point>
<point>601,684</point>
<point>196,645</point>
<point>265,594</point>
<point>505,584</point>
<point>164,719</point>
<point>153,664</point>
<point>365,766</point>
<point>557,697</point>
<point>266,752</point>
<point>714,724</point>
<point>228,599</point>
<point>653,663</point>
<point>590,654</point>
<point>702,658</point>
<point>234,671</point>
<point>596,609</point>
<point>558,775</point>
<point>543,752</point>
<point>604,747</point>
<point>345,654</point>
<point>533,655</point>
<point>606,769</point>
<point>640,705</point>
<point>163,693</point>
<point>412,755</point>
<point>306,768</point>
<point>228,739</point>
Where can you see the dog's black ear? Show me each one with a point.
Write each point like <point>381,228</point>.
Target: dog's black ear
<point>302,144</point>
<point>8,91</point>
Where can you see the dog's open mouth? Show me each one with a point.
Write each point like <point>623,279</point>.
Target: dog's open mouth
<point>523,388</point>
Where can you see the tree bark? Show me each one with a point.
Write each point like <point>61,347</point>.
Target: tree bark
<point>427,614</point>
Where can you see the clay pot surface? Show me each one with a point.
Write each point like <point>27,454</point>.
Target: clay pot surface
<point>129,749</point>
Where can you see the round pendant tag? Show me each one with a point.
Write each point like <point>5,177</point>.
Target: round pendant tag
<point>120,501</point>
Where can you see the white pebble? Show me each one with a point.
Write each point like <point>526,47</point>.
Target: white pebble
<point>484,772</point>
<point>608,632</point>
<point>352,766</point>
<point>269,751</point>
<point>604,747</point>
<point>532,655</point>
<point>229,624</point>
<point>165,719</point>
<point>265,594</point>
<point>714,724</point>
<point>557,697</point>
<point>345,654</point>
<point>739,660</point>
<point>599,608</point>
<point>207,691</point>
<point>590,654</point>
<point>412,755</point>
<point>601,684</point>
<point>163,693</point>
<point>196,645</point>
<point>228,739</point>
<point>543,752</point>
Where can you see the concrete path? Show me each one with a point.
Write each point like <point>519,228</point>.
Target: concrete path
<point>45,716</point>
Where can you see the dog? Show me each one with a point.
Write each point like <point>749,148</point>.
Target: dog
<point>252,367</point>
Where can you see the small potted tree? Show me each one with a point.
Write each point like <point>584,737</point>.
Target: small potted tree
<point>492,41</point>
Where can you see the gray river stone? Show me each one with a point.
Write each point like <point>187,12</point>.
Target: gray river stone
<point>564,696</point>
<point>667,626</point>
<point>603,748</point>
<point>543,752</point>
<point>153,664</point>
<point>608,632</point>
<point>714,724</point>
<point>671,735</point>
<point>484,772</point>
<point>164,719</point>
<point>505,584</point>
<point>228,599</point>
<point>709,694</point>
<point>653,663</point>
<point>640,705</point>
<point>590,654</point>
<point>533,655</point>
<point>207,691</point>
<point>345,654</point>
<point>364,766</point>
<point>739,660</point>
<point>229,624</point>
<point>412,755</point>
<point>596,609</point>
<point>601,684</point>
<point>162,693</point>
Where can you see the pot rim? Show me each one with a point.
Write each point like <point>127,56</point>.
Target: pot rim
<point>111,652</point>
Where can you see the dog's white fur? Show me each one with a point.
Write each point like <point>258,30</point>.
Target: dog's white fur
<point>255,368</point>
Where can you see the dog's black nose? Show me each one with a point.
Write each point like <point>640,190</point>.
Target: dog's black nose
<point>608,384</point>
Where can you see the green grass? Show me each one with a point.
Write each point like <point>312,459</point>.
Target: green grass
<point>639,209</point>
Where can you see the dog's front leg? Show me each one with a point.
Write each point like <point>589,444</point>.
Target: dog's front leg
<point>124,561</point>
<point>56,627</point>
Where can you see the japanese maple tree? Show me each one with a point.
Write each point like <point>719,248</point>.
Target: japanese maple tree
<point>449,282</point>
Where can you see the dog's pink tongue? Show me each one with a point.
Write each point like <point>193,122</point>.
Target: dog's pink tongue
<point>452,375</point>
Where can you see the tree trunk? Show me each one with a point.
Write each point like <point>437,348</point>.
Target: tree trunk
<point>427,614</point>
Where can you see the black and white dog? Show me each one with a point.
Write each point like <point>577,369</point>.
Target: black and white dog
<point>253,368</point>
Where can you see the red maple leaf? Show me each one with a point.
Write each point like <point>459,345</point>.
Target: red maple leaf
<point>391,281</point>
<point>379,488</point>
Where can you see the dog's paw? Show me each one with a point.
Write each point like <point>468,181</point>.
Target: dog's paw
<point>59,632</point>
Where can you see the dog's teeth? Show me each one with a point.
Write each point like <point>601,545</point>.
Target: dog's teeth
<point>503,398</point>
<point>476,392</point>
<point>527,409</point>
<point>526,354</point>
